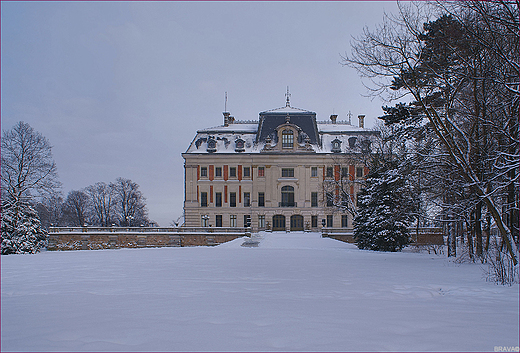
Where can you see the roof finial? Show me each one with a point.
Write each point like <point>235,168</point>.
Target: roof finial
<point>225,103</point>
<point>287,95</point>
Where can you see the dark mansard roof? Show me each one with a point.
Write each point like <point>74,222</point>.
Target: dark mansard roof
<point>271,119</point>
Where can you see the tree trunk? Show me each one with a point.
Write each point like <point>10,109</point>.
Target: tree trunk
<point>478,229</point>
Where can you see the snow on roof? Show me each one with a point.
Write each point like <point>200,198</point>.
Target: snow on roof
<point>237,127</point>
<point>241,137</point>
<point>287,109</point>
<point>329,127</point>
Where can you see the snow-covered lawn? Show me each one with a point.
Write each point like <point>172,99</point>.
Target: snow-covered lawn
<point>294,292</point>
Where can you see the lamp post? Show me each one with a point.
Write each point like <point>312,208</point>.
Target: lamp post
<point>205,220</point>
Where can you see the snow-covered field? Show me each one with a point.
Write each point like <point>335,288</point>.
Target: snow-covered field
<point>294,292</point>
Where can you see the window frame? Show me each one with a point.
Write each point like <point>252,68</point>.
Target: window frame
<point>329,172</point>
<point>261,221</point>
<point>330,221</point>
<point>289,172</point>
<point>218,220</point>
<point>344,221</point>
<point>314,199</point>
<point>261,199</point>
<point>233,221</point>
<point>287,139</point>
<point>203,199</point>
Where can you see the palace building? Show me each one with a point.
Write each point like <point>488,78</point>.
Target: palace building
<point>271,173</point>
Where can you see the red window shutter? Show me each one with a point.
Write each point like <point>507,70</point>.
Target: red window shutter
<point>211,173</point>
<point>352,172</point>
<point>225,193</point>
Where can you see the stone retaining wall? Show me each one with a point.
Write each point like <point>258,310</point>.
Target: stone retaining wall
<point>94,241</point>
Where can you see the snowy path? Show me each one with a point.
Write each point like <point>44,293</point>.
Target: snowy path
<point>294,292</point>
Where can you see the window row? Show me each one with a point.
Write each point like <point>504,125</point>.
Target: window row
<point>278,221</point>
<point>345,172</point>
<point>240,172</point>
<point>225,172</point>
<point>287,199</point>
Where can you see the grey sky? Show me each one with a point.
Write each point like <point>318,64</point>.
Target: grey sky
<point>120,88</point>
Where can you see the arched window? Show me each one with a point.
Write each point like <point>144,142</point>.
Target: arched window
<point>287,139</point>
<point>287,197</point>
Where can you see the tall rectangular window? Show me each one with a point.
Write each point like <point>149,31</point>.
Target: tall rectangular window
<point>261,221</point>
<point>203,199</point>
<point>344,172</point>
<point>359,172</point>
<point>344,221</point>
<point>287,172</point>
<point>329,221</point>
<point>232,199</point>
<point>247,220</point>
<point>218,172</point>
<point>204,172</point>
<point>218,220</point>
<point>314,172</point>
<point>247,172</point>
<point>314,221</point>
<point>218,199</point>
<point>261,199</point>
<point>247,199</point>
<point>232,172</point>
<point>330,172</point>
<point>287,139</point>
<point>233,221</point>
<point>314,199</point>
<point>261,172</point>
<point>330,199</point>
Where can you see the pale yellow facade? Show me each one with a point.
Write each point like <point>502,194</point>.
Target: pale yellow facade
<point>231,176</point>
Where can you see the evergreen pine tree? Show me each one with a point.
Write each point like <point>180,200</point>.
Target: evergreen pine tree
<point>21,229</point>
<point>385,208</point>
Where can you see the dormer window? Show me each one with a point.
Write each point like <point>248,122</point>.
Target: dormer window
<point>287,139</point>
<point>336,146</point>
<point>239,145</point>
<point>352,142</point>
<point>212,145</point>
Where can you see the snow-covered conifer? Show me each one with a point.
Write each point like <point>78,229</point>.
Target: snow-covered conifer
<point>21,229</point>
<point>385,208</point>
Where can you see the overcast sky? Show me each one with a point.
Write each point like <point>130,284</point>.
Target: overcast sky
<point>120,88</point>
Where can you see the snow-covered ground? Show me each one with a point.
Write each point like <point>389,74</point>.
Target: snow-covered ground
<point>294,292</point>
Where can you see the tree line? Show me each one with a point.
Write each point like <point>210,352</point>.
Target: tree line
<point>118,203</point>
<point>453,68</point>
<point>32,198</point>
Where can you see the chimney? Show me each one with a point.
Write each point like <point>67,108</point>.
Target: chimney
<point>333,117</point>
<point>226,118</point>
<point>361,121</point>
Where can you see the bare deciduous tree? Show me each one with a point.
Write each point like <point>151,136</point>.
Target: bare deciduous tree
<point>27,164</point>
<point>446,67</point>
